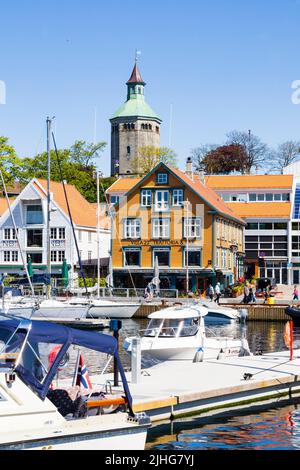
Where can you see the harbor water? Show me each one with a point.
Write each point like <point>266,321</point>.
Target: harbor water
<point>271,427</point>
<point>274,428</point>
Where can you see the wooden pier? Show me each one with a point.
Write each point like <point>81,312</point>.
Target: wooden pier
<point>174,389</point>
<point>260,312</point>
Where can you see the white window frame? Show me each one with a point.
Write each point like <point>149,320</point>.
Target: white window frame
<point>160,228</point>
<point>7,234</point>
<point>164,203</point>
<point>194,227</point>
<point>62,233</point>
<point>146,198</point>
<point>14,256</point>
<point>177,193</point>
<point>132,228</point>
<point>89,237</point>
<point>6,256</point>
<point>162,178</point>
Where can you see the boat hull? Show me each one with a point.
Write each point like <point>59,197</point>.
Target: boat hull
<point>132,438</point>
<point>113,311</point>
<point>166,350</point>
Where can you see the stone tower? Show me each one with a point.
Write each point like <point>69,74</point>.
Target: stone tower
<point>134,125</point>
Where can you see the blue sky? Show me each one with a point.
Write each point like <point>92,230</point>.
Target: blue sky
<point>223,65</point>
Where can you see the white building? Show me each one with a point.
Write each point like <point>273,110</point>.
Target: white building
<point>30,213</point>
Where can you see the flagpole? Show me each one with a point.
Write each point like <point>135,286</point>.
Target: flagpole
<point>76,368</point>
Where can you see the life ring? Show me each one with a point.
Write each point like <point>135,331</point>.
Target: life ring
<point>287,334</point>
<point>52,356</point>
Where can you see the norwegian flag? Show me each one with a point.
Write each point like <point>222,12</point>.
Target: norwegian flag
<point>83,378</point>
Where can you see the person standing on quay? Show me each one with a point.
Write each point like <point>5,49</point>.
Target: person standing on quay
<point>218,293</point>
<point>295,293</point>
<point>211,292</point>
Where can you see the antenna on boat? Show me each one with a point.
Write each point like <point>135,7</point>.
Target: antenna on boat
<point>16,233</point>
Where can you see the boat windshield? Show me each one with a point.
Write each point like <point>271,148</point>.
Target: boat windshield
<point>189,327</point>
<point>12,343</point>
<point>153,327</point>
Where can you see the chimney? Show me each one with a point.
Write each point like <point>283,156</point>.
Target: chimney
<point>201,177</point>
<point>189,168</point>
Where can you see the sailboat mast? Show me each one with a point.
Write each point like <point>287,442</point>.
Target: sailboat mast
<point>98,237</point>
<point>49,122</point>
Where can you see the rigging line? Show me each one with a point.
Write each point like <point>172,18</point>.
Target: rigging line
<point>70,216</point>
<point>16,233</point>
<point>118,237</point>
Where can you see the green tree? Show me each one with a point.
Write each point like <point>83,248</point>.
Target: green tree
<point>149,156</point>
<point>84,153</point>
<point>9,161</point>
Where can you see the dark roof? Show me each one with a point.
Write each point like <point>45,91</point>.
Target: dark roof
<point>136,76</point>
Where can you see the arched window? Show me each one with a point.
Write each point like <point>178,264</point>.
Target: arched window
<point>125,126</point>
<point>128,149</point>
<point>143,126</point>
<point>139,90</point>
<point>157,129</point>
<point>132,126</point>
<point>150,127</point>
<point>146,126</point>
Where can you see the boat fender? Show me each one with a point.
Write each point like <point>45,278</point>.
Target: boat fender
<point>52,355</point>
<point>199,356</point>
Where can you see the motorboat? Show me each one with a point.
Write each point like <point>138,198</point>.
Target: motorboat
<point>179,333</point>
<point>293,313</point>
<point>218,313</point>
<point>47,308</point>
<point>101,308</point>
<point>41,411</point>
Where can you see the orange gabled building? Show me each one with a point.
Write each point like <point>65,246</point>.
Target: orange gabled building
<point>172,218</point>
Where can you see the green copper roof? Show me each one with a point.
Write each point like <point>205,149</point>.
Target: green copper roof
<point>135,106</point>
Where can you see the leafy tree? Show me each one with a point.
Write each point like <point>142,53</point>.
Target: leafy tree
<point>77,167</point>
<point>9,161</point>
<point>224,160</point>
<point>257,151</point>
<point>83,153</point>
<point>148,157</point>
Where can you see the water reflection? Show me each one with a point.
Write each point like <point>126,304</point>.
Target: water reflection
<point>277,428</point>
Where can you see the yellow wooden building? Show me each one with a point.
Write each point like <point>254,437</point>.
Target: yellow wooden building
<point>170,218</point>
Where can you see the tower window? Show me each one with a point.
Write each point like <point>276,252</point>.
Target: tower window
<point>157,129</point>
<point>143,126</point>
<point>150,127</point>
<point>125,126</point>
<point>146,126</point>
<point>128,149</point>
<point>132,126</point>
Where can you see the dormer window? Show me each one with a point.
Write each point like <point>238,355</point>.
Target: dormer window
<point>162,178</point>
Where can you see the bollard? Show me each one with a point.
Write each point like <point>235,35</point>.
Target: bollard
<point>136,359</point>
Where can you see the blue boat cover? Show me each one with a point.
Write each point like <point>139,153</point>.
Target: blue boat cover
<point>47,332</point>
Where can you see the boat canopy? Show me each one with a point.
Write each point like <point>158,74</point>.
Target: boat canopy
<point>179,312</point>
<point>46,332</point>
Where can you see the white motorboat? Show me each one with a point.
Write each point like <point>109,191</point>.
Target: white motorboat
<point>218,313</point>
<point>101,308</point>
<point>48,308</point>
<point>37,410</point>
<point>178,333</point>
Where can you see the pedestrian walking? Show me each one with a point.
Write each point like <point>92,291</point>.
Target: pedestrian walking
<point>246,294</point>
<point>295,293</point>
<point>211,292</point>
<point>218,293</point>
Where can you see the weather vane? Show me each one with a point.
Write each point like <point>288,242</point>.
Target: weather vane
<point>137,53</point>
